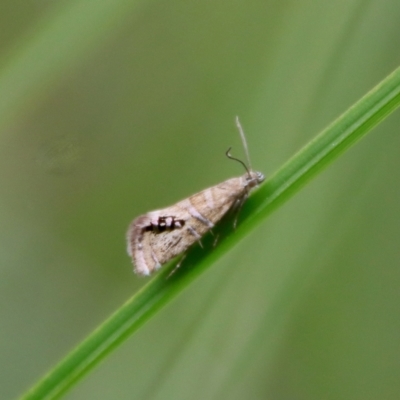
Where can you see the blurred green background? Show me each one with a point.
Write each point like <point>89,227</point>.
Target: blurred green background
<point>109,109</point>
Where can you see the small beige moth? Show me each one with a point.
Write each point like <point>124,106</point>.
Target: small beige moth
<point>158,236</point>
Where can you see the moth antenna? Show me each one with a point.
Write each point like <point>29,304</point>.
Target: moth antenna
<point>229,155</point>
<point>244,141</point>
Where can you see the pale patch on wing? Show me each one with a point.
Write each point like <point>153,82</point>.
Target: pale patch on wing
<point>196,212</point>
<point>208,195</point>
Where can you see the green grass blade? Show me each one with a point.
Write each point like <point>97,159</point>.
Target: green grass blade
<point>332,142</point>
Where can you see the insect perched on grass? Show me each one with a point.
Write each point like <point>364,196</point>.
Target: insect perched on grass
<point>158,236</point>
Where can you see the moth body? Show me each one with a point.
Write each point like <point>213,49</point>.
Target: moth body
<point>158,236</point>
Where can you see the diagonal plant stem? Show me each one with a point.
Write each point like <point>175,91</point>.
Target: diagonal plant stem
<point>329,144</point>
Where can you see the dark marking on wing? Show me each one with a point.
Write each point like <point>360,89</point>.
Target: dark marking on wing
<point>167,223</point>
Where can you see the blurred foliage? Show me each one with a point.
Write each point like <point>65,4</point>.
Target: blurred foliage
<point>110,109</point>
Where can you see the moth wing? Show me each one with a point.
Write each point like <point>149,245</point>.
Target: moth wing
<point>167,245</point>
<point>151,248</point>
<point>216,201</point>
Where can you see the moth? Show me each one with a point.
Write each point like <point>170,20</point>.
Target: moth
<point>158,236</point>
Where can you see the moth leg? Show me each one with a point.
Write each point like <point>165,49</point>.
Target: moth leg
<point>237,206</point>
<point>178,264</point>
<point>216,238</point>
<point>196,235</point>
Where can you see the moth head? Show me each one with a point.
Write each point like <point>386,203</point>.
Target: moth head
<point>254,178</point>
